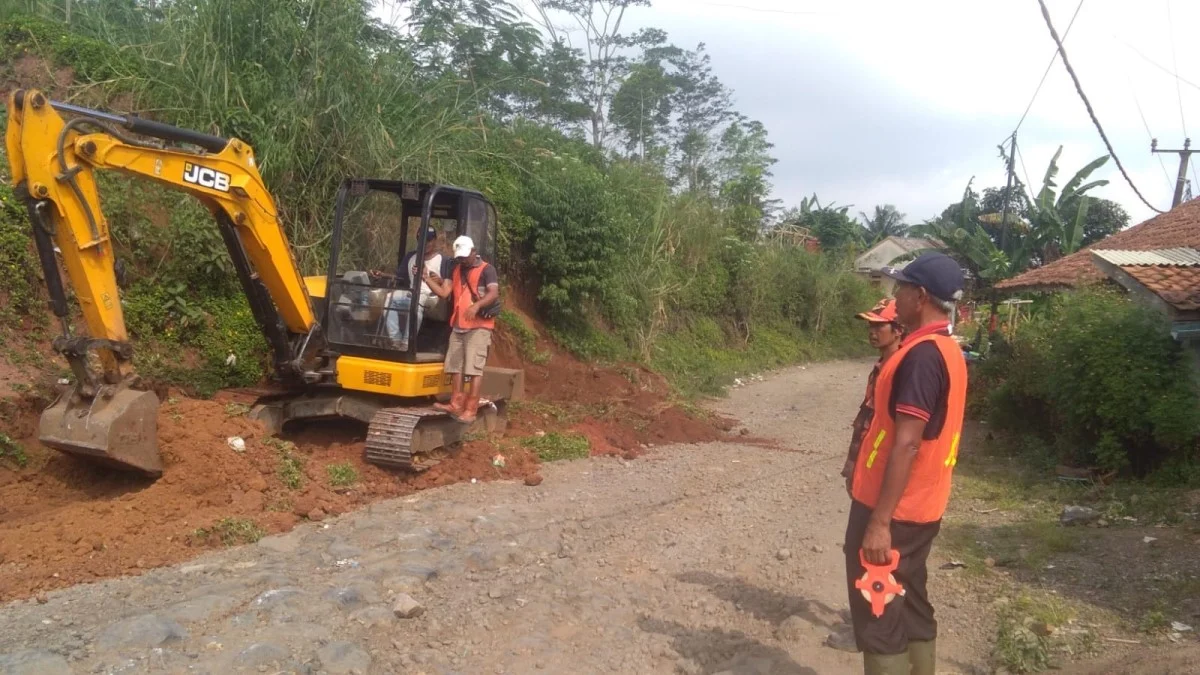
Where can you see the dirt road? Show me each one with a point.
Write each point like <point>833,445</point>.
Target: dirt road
<point>694,559</point>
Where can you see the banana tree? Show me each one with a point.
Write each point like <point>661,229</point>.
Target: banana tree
<point>1058,219</point>
<point>967,242</point>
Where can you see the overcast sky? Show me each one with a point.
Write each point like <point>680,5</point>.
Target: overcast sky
<point>877,101</point>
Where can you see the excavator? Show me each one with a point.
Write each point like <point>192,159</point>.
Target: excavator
<point>335,354</point>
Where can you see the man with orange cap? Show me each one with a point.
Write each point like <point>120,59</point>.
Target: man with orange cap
<point>884,333</point>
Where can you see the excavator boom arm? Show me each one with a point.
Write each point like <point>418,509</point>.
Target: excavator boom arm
<point>53,160</point>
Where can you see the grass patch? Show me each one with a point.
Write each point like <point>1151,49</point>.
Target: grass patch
<point>544,410</point>
<point>291,468</point>
<point>1034,629</point>
<point>236,410</point>
<point>342,474</point>
<point>230,532</point>
<point>555,447</point>
<point>1154,621</point>
<point>12,451</point>
<point>525,336</point>
<point>1027,545</point>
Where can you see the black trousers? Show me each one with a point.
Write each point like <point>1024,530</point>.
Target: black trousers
<point>908,617</point>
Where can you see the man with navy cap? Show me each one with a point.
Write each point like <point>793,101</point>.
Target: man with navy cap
<point>901,479</point>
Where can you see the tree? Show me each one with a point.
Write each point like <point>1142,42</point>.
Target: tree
<point>833,228</point>
<point>886,222</point>
<point>1057,220</point>
<point>605,64</point>
<point>642,106</point>
<point>1104,218</point>
<point>703,106</point>
<point>744,169</point>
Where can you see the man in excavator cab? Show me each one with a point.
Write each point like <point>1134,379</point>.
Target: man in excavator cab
<point>427,301</point>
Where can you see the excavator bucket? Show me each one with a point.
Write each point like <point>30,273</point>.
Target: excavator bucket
<point>118,431</point>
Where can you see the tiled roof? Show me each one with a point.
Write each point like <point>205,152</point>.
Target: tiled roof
<point>1179,227</point>
<point>1177,286</point>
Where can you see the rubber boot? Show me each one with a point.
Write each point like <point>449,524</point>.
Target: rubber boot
<point>922,656</point>
<point>455,407</point>
<point>885,664</point>
<point>469,410</point>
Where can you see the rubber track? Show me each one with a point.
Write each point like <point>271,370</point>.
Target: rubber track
<point>390,435</point>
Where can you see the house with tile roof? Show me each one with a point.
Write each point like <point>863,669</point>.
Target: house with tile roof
<point>1157,261</point>
<point>1177,228</point>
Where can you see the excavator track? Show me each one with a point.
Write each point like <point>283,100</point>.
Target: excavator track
<point>417,439</point>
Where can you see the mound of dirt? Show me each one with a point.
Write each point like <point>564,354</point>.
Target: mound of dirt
<point>64,521</point>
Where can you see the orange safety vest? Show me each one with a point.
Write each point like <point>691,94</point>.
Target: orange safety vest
<point>464,297</point>
<point>928,489</point>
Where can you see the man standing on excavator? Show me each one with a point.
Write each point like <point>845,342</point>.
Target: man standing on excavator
<point>474,289</point>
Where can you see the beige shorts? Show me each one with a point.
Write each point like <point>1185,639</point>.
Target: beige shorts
<point>468,352</point>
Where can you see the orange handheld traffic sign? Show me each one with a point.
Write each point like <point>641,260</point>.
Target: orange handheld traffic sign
<point>877,585</point>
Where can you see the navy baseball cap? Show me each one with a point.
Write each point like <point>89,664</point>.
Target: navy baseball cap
<point>936,272</point>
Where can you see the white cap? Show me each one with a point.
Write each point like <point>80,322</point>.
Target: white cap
<point>463,246</point>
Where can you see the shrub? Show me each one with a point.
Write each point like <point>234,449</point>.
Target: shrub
<point>1098,375</point>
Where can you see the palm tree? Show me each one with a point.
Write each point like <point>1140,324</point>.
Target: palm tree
<point>887,222</point>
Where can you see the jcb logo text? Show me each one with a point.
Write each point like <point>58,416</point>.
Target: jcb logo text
<point>205,177</point>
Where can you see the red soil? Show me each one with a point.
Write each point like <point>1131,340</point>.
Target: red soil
<point>63,521</point>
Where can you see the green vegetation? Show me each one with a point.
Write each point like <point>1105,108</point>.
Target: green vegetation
<point>230,532</point>
<point>1096,380</point>
<point>644,233</point>
<point>342,474</point>
<point>291,467</point>
<point>12,451</point>
<point>554,447</point>
<point>1030,632</point>
<point>525,336</point>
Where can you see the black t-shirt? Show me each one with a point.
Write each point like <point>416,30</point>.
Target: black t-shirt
<point>921,388</point>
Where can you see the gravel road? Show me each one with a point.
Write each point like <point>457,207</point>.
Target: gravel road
<point>717,558</point>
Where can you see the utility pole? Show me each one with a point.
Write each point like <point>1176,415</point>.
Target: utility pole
<point>1012,156</point>
<point>1184,155</point>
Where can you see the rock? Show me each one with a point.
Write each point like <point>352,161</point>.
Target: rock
<point>341,658</point>
<point>260,654</point>
<point>373,616</point>
<point>316,515</point>
<point>145,631</point>
<point>1180,627</point>
<point>496,593</point>
<point>343,551</point>
<point>405,607</point>
<point>1101,523</point>
<point>989,562</point>
<point>1042,628</point>
<point>817,548</point>
<point>42,599</point>
<point>1149,540</point>
<point>349,598</point>
<point>1078,515</point>
<point>688,667</point>
<point>201,608</point>
<point>783,554</point>
<point>792,629</point>
<point>533,479</point>
<point>275,597</point>
<point>281,543</point>
<point>33,662</point>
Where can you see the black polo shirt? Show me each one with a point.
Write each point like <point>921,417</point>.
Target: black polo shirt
<point>921,387</point>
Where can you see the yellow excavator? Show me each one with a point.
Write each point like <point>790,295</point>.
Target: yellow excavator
<point>340,341</point>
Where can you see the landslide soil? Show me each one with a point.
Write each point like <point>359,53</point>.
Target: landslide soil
<point>63,521</point>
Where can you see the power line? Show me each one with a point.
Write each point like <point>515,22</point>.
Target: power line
<point>1150,134</point>
<point>1156,64</point>
<point>1087,104</point>
<point>1025,172</point>
<point>1047,71</point>
<point>1175,64</point>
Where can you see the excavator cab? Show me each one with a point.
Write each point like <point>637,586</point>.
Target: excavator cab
<point>372,307</point>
